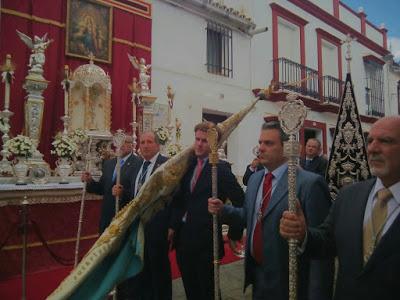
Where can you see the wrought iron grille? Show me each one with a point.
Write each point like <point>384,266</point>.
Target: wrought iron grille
<point>374,89</point>
<point>219,50</point>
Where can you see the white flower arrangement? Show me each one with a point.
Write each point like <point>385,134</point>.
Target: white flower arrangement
<point>20,146</point>
<point>173,149</point>
<point>79,136</point>
<point>162,134</point>
<point>64,146</point>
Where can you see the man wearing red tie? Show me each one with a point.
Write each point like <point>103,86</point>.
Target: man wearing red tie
<point>266,258</point>
<point>193,226</point>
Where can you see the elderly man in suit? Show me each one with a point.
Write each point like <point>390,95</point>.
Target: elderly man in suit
<point>154,282</point>
<point>193,223</point>
<point>266,257</point>
<point>362,228</point>
<point>129,165</point>
<point>314,162</point>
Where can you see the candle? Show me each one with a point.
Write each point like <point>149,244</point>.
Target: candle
<point>134,109</point>
<point>66,89</point>
<point>8,73</point>
<point>7,96</point>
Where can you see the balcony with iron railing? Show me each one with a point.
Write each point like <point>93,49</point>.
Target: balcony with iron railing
<point>374,98</point>
<point>298,78</point>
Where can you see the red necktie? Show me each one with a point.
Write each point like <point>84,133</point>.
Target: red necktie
<point>199,168</point>
<point>257,234</point>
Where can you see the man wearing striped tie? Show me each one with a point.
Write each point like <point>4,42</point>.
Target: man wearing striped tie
<point>154,281</point>
<point>363,227</point>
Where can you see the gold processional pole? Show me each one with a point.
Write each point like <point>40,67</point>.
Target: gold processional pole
<point>212,136</point>
<point>78,234</point>
<point>291,117</point>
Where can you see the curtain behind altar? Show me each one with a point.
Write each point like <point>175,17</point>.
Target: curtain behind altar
<point>37,17</point>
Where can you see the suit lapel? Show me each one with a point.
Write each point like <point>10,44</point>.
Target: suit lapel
<point>388,245</point>
<point>252,197</point>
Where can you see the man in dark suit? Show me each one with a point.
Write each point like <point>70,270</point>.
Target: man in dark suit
<point>154,281</point>
<point>130,164</point>
<point>251,169</point>
<point>362,228</point>
<point>313,161</point>
<point>193,224</point>
<point>266,257</point>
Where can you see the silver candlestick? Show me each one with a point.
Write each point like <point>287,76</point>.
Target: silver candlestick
<point>135,89</point>
<point>5,115</point>
<point>66,84</point>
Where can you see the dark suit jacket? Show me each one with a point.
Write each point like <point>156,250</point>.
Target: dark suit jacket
<point>105,184</point>
<point>341,235</point>
<point>195,234</point>
<point>313,194</point>
<point>249,172</point>
<point>317,165</point>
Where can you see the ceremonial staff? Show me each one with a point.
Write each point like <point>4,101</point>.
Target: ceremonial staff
<point>118,140</point>
<point>212,136</point>
<point>291,117</point>
<point>78,234</point>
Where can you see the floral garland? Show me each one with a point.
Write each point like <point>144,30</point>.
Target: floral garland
<point>20,146</point>
<point>64,146</point>
<point>162,134</point>
<point>173,149</point>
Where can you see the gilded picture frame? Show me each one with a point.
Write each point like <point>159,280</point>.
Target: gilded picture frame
<point>89,30</point>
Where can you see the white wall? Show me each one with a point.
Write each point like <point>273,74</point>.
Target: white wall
<point>374,34</point>
<point>179,41</point>
<point>349,18</point>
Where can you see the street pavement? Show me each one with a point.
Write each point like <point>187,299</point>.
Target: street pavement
<point>231,281</point>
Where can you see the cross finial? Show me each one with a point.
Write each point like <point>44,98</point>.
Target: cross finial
<point>348,41</point>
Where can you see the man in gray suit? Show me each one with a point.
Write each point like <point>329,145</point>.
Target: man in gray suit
<point>130,165</point>
<point>362,228</point>
<point>266,259</point>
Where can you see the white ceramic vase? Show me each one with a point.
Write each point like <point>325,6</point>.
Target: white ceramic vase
<point>64,169</point>
<point>20,170</point>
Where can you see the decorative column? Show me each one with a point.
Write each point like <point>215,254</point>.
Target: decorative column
<point>34,85</point>
<point>5,115</point>
<point>148,111</point>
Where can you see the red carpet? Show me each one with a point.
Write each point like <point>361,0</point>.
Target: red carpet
<point>41,284</point>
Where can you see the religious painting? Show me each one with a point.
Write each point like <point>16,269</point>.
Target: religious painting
<point>89,30</point>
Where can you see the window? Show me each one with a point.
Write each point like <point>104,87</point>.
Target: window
<point>374,89</point>
<point>219,50</point>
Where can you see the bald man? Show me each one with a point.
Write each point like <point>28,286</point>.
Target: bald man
<point>362,228</point>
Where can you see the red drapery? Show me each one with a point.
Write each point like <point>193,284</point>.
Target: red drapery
<point>129,29</point>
